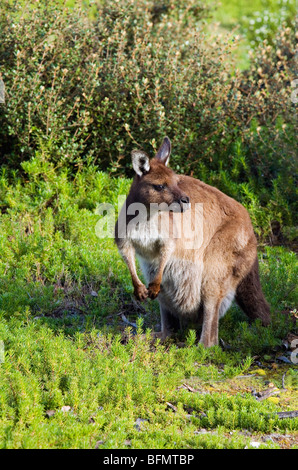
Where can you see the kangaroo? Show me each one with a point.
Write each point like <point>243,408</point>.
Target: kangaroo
<point>196,247</point>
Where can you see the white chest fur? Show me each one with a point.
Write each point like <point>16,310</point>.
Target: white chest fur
<point>148,236</point>
<point>181,281</point>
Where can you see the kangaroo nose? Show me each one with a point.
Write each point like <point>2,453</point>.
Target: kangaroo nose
<point>184,199</point>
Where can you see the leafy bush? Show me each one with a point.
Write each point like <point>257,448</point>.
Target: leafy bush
<point>84,87</point>
<point>264,24</point>
<point>257,20</point>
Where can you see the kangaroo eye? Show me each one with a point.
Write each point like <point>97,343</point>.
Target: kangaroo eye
<point>158,187</point>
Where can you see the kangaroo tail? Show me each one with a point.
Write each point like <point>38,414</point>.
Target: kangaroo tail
<point>250,298</point>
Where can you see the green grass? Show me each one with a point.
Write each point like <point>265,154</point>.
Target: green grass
<point>62,293</point>
<point>74,374</point>
<point>252,22</point>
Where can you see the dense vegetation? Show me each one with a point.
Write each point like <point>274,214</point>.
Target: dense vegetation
<point>76,373</point>
<point>84,85</point>
<point>84,88</point>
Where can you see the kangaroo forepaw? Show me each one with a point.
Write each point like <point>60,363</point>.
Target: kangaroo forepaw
<point>141,292</point>
<point>153,290</point>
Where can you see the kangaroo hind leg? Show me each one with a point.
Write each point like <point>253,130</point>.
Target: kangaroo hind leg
<point>169,323</point>
<point>214,308</point>
<point>250,298</point>
<point>209,334</point>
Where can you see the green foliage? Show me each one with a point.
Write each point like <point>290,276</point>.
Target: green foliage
<point>62,393</point>
<point>61,290</point>
<point>264,23</point>
<point>84,83</point>
<point>83,86</point>
<point>49,244</point>
<point>256,20</point>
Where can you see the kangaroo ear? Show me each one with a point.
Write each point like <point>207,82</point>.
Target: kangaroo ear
<point>164,151</point>
<point>140,162</point>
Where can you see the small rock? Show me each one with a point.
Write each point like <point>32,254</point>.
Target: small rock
<point>254,444</point>
<point>98,443</point>
<point>138,423</point>
<point>284,359</point>
<point>201,431</point>
<point>66,408</point>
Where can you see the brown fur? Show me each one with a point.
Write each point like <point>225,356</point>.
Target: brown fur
<point>250,298</point>
<point>203,278</point>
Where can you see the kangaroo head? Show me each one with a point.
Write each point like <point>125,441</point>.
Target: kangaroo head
<point>155,183</point>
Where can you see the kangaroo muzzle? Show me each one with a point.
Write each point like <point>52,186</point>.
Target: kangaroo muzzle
<point>184,203</point>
